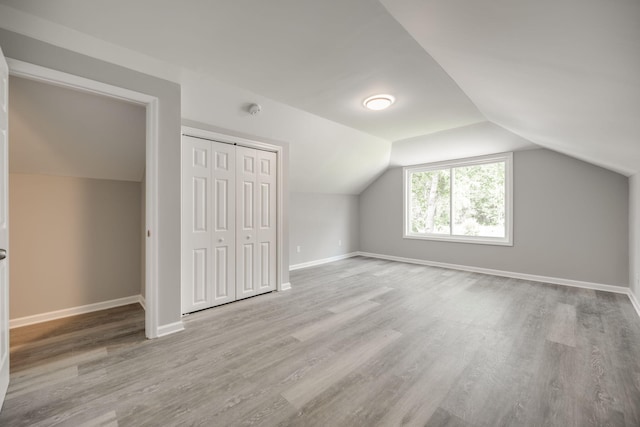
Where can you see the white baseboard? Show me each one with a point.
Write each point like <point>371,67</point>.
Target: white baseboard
<point>321,261</point>
<point>169,329</point>
<point>59,314</point>
<point>143,302</point>
<point>285,286</point>
<point>634,301</point>
<point>510,274</point>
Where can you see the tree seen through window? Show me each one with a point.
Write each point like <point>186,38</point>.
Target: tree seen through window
<point>458,201</point>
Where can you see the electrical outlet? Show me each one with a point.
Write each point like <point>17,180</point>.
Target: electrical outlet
<point>298,249</point>
<point>339,242</point>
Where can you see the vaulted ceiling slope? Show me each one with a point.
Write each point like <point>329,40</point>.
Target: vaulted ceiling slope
<point>562,75</point>
<point>565,75</point>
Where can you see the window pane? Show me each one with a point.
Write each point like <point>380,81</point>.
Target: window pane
<point>479,200</point>
<point>429,203</point>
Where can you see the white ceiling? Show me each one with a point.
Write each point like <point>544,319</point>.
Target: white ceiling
<point>563,75</point>
<point>324,57</point>
<point>59,131</point>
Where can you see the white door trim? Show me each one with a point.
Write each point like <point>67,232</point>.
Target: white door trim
<point>229,139</point>
<point>5,348</point>
<point>58,78</point>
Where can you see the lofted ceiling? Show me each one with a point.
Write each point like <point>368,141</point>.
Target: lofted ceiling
<point>563,75</point>
<point>64,132</point>
<point>324,57</point>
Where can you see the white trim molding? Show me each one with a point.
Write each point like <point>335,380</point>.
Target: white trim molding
<point>73,311</point>
<point>634,302</point>
<point>506,158</point>
<point>523,276</point>
<point>501,273</point>
<point>322,261</point>
<point>143,302</point>
<point>151,327</point>
<point>285,287</point>
<point>58,78</point>
<point>169,329</point>
<point>151,103</point>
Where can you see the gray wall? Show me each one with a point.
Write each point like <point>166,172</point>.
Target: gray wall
<point>570,222</point>
<point>168,233</point>
<point>318,222</point>
<point>74,241</point>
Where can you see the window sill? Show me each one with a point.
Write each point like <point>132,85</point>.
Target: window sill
<point>462,239</point>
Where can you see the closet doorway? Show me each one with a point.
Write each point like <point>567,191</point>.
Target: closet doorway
<point>148,204</point>
<point>76,164</point>
<point>230,221</point>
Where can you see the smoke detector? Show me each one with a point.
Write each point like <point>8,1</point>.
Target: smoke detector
<point>254,109</point>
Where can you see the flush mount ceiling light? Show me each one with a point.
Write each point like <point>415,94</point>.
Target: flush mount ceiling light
<point>379,102</point>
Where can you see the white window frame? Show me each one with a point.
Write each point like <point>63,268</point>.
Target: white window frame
<point>507,240</point>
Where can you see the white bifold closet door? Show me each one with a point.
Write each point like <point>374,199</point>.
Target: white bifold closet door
<point>228,223</point>
<point>208,224</point>
<point>255,222</point>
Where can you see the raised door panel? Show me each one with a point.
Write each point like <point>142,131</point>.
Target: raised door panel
<point>199,272</point>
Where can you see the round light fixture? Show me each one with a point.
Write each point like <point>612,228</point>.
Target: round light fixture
<point>379,102</point>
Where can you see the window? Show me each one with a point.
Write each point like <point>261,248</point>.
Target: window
<point>468,200</point>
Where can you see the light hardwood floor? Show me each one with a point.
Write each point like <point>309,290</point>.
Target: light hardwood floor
<point>360,342</point>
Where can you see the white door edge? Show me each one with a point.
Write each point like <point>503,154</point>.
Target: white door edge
<point>4,228</point>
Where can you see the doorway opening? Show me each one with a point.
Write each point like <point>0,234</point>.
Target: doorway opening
<point>133,180</point>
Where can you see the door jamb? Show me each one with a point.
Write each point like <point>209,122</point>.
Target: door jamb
<point>58,78</point>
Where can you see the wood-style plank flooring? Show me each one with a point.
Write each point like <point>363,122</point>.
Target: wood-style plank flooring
<point>359,342</point>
